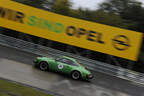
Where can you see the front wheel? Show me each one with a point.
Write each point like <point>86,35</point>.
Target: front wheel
<point>75,75</point>
<point>43,66</point>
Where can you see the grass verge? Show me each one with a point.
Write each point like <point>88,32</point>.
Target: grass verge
<point>8,88</point>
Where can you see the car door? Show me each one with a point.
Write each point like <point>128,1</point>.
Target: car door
<point>54,65</point>
<point>63,65</point>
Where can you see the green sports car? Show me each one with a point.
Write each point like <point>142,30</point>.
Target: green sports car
<point>65,65</point>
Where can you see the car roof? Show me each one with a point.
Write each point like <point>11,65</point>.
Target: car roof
<point>71,58</point>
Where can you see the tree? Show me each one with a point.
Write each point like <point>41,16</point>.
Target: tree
<point>130,10</point>
<point>100,16</point>
<point>110,19</point>
<point>62,7</point>
<point>118,6</point>
<point>43,4</point>
<point>135,14</point>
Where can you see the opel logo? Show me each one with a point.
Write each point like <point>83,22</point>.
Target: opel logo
<point>121,42</point>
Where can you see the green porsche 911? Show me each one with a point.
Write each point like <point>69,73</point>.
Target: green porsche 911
<point>65,65</point>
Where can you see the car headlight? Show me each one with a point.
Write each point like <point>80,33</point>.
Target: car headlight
<point>89,76</point>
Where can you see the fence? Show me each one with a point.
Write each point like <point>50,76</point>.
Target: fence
<point>91,64</point>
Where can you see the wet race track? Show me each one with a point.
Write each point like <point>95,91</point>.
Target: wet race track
<point>17,65</point>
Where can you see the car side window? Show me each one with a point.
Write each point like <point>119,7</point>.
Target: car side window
<point>67,61</point>
<point>63,60</point>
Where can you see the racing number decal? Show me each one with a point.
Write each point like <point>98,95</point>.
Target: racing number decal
<point>60,66</point>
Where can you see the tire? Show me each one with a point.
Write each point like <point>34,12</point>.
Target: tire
<point>43,66</point>
<point>75,75</point>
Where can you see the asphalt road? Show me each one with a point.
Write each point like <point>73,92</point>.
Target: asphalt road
<point>17,65</point>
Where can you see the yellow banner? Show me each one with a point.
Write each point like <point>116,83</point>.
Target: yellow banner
<point>93,36</point>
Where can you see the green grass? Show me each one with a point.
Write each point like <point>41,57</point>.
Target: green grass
<point>8,88</point>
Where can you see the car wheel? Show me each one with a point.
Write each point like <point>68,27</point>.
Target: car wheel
<point>43,66</point>
<point>75,75</point>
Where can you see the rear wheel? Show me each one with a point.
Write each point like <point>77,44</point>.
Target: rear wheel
<point>75,75</point>
<point>43,66</point>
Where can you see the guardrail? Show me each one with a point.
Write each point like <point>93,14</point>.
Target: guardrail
<point>91,64</point>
